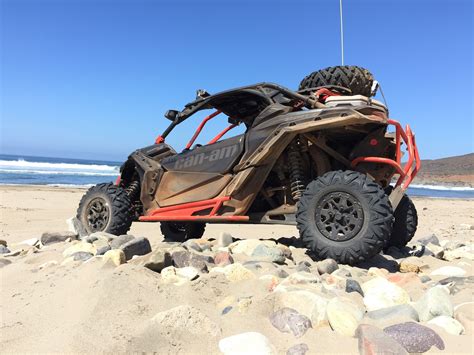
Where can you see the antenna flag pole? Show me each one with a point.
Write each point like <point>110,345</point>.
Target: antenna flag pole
<point>342,32</point>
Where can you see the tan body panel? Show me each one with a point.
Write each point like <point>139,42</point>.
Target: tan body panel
<point>183,187</point>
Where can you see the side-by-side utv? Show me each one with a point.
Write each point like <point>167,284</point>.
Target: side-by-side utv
<point>321,157</point>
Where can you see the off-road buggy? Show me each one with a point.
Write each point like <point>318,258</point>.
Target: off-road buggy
<point>320,157</point>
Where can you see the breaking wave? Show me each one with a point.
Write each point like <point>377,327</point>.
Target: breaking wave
<point>21,166</point>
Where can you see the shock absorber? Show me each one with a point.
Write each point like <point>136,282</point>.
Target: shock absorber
<point>133,190</point>
<point>295,161</point>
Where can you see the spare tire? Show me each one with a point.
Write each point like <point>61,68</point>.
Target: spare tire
<point>357,79</point>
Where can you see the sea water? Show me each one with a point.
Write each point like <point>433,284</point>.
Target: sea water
<point>28,170</point>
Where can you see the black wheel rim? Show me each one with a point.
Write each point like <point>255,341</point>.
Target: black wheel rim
<point>98,214</point>
<point>339,216</point>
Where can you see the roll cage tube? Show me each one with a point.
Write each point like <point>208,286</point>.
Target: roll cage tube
<point>256,89</point>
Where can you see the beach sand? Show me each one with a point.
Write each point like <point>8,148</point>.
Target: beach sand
<point>93,307</point>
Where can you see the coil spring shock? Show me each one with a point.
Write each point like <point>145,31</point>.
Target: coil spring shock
<point>133,190</point>
<point>295,161</point>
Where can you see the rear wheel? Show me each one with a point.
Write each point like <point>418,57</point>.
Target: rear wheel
<point>105,208</point>
<point>357,79</point>
<point>182,231</point>
<point>344,215</point>
<point>406,223</point>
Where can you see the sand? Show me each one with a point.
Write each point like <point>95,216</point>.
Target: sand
<point>95,307</point>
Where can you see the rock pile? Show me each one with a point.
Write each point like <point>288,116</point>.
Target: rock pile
<point>396,303</point>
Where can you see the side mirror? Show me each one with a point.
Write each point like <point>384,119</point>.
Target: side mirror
<point>171,114</point>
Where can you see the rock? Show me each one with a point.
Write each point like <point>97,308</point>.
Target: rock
<point>157,260</point>
<point>465,226</point>
<point>304,266</point>
<point>190,244</point>
<point>57,237</point>
<point>100,236</point>
<point>247,246</point>
<point>417,250</point>
<point>31,242</point>
<point>246,343</point>
<point>81,246</point>
<point>425,278</point>
<point>280,273</point>
<point>466,252</point>
<point>264,252</point>
<point>375,271</point>
<point>115,256</point>
<point>3,242</point>
<point>223,258</point>
<point>186,318</point>
<point>401,310</point>
<point>301,278</point>
<point>327,266</point>
<point>120,240</point>
<point>298,349</point>
<point>4,249</point>
<point>433,239</point>
<point>344,315</point>
<point>288,320</point>
<point>353,286</point>
<point>102,246</point>
<point>464,314</point>
<point>4,262</point>
<point>75,226</point>
<point>450,325</point>
<point>380,293</point>
<point>435,302</point>
<point>448,271</point>
<point>186,258</point>
<point>454,283</point>
<point>178,277</point>
<point>373,341</point>
<point>235,272</point>
<point>304,302</point>
<point>81,256</point>
<point>436,250</point>
<point>224,239</point>
<point>414,337</point>
<point>137,246</point>
<point>410,264</point>
<point>226,310</point>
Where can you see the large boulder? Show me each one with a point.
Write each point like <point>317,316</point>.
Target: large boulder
<point>344,315</point>
<point>435,302</point>
<point>373,340</point>
<point>380,293</point>
<point>288,320</point>
<point>414,337</point>
<point>137,246</point>
<point>57,237</point>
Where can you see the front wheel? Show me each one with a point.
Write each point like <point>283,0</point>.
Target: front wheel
<point>105,208</point>
<point>344,215</point>
<point>182,231</point>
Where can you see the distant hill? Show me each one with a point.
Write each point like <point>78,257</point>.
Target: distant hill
<point>454,171</point>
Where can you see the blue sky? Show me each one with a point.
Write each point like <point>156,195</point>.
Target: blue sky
<point>92,79</point>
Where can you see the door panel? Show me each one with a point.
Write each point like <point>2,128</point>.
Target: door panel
<point>183,187</point>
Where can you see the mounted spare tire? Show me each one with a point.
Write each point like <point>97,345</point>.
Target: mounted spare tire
<point>357,79</point>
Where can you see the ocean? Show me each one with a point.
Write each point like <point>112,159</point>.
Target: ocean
<point>29,170</point>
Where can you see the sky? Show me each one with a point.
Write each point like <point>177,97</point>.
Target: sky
<point>92,78</point>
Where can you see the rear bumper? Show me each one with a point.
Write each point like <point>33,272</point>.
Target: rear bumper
<point>406,172</point>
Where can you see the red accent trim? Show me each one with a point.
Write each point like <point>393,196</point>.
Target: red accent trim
<point>195,218</point>
<point>159,140</point>
<point>186,212</point>
<point>374,141</point>
<point>323,93</point>
<point>408,171</point>
<point>201,126</point>
<point>219,136</point>
<point>117,181</point>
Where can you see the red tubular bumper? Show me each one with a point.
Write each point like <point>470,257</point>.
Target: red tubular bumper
<point>409,170</point>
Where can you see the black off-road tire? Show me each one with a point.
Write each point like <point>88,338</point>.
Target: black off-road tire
<point>368,208</point>
<point>117,208</point>
<point>405,225</point>
<point>357,79</point>
<point>182,231</point>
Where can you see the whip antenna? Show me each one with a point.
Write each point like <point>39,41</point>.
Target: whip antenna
<point>342,33</point>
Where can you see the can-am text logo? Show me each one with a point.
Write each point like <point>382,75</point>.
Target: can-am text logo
<point>199,158</point>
